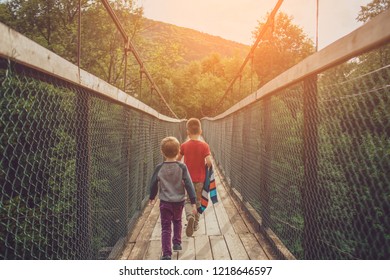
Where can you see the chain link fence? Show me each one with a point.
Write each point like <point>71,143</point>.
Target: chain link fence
<point>313,159</point>
<point>74,167</point>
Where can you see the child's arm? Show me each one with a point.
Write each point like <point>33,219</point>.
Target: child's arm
<point>153,187</point>
<point>207,154</point>
<point>180,155</point>
<point>208,161</point>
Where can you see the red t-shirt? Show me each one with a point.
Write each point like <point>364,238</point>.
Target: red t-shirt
<point>194,153</point>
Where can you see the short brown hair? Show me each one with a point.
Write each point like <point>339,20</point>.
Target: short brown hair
<point>170,147</point>
<point>194,126</point>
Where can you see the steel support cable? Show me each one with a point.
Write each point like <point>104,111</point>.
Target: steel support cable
<point>125,72</point>
<point>252,57</point>
<point>263,30</point>
<point>130,46</point>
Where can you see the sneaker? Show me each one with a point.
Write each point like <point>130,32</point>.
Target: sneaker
<point>166,257</point>
<point>177,247</point>
<point>196,227</point>
<point>190,226</point>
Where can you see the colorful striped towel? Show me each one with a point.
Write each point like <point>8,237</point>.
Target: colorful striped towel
<point>209,187</point>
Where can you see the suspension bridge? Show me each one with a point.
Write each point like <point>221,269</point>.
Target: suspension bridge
<point>302,163</point>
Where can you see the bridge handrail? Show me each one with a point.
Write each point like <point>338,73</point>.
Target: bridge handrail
<point>372,34</point>
<point>24,51</point>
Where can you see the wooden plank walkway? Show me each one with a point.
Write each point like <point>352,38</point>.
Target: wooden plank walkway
<point>225,233</point>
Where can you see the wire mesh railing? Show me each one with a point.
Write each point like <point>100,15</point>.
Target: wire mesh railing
<point>75,163</point>
<point>312,157</point>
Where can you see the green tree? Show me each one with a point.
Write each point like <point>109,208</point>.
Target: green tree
<point>213,65</point>
<point>372,9</point>
<point>282,47</point>
<point>380,58</point>
<point>102,51</point>
<point>54,24</point>
<point>199,86</point>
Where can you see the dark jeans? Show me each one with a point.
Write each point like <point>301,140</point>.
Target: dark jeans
<point>170,214</point>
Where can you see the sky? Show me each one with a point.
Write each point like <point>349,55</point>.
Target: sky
<point>236,19</point>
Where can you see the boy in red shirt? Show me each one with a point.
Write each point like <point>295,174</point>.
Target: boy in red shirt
<point>196,153</point>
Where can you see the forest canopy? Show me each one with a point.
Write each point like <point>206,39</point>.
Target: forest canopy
<point>192,69</point>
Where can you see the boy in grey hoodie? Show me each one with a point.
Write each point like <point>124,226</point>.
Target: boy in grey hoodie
<point>172,178</point>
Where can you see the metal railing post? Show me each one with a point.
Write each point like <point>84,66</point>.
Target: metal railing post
<point>123,191</point>
<point>266,161</point>
<point>83,163</point>
<point>140,83</point>
<point>310,192</point>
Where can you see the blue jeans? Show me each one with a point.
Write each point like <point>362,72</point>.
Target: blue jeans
<point>170,213</point>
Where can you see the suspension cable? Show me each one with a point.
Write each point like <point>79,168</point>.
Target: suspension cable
<point>130,46</point>
<point>263,30</point>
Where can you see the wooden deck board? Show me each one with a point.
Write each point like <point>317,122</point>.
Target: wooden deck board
<point>188,251</point>
<point>266,246</point>
<point>138,252</point>
<point>156,234</point>
<point>202,248</point>
<point>126,252</point>
<point>174,255</point>
<point>235,247</point>
<point>252,247</point>
<point>149,226</point>
<point>219,248</point>
<point>232,212</point>
<point>154,250</point>
<point>236,220</point>
<point>140,223</point>
<point>212,227</point>
<point>223,218</point>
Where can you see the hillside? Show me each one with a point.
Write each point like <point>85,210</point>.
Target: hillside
<point>195,44</point>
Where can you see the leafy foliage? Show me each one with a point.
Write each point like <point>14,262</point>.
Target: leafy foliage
<point>194,45</point>
<point>282,47</point>
<point>169,52</point>
<point>372,9</point>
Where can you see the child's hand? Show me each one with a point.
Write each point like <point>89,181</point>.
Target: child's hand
<point>194,210</point>
<point>151,202</point>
